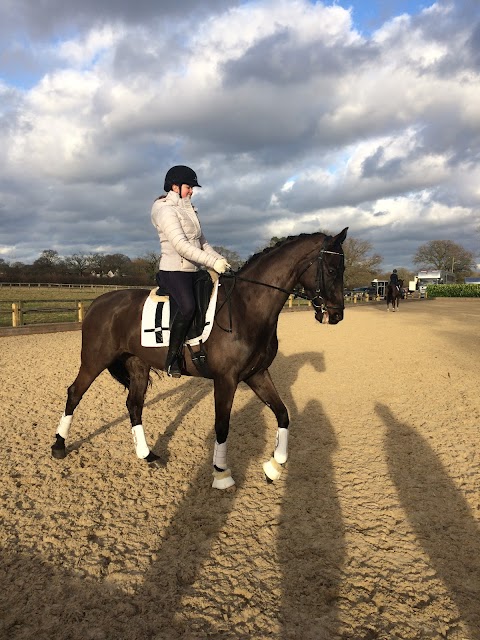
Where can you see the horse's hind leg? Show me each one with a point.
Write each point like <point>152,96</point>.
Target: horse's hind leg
<point>86,375</point>
<point>261,383</point>
<point>138,372</point>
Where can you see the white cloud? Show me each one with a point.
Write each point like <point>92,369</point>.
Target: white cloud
<point>87,49</point>
<point>292,120</point>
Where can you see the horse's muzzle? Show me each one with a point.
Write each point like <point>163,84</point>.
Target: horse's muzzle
<point>336,316</point>
<point>331,316</point>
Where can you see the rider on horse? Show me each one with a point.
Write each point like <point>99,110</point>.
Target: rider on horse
<point>394,281</point>
<point>183,250</point>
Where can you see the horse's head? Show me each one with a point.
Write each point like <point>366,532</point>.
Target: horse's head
<point>323,280</point>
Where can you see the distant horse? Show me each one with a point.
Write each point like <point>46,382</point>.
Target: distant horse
<point>241,347</point>
<point>393,295</point>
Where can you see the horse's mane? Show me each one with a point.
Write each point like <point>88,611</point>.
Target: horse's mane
<point>277,245</point>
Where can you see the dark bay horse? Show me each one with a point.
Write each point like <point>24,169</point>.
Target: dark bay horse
<point>394,295</point>
<point>241,347</point>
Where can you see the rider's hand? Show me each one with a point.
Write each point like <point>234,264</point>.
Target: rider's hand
<point>221,265</point>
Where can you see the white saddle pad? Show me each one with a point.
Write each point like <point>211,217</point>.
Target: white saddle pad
<point>149,331</point>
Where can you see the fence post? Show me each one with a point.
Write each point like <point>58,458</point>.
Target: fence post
<point>81,311</point>
<point>290,301</point>
<point>14,314</point>
<point>17,314</point>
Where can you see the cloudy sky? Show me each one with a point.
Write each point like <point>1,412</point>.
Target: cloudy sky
<point>297,116</point>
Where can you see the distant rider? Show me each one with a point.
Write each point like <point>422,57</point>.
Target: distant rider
<point>394,280</point>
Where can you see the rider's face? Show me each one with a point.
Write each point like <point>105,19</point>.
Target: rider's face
<point>185,191</point>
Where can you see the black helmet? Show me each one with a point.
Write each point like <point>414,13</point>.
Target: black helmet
<point>180,174</point>
<point>394,271</point>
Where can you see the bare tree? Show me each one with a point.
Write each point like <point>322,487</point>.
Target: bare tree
<point>447,255</point>
<point>79,264</point>
<point>360,267</point>
<point>48,261</point>
<point>145,268</point>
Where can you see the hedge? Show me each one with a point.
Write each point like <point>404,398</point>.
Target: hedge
<point>453,290</point>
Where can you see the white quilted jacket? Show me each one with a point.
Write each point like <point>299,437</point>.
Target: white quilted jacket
<point>182,243</point>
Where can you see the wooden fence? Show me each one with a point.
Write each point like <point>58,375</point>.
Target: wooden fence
<point>20,310</point>
<point>52,285</point>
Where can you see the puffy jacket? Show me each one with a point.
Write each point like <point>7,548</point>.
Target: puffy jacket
<point>182,243</point>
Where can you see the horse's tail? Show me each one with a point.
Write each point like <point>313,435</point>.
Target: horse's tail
<point>119,371</point>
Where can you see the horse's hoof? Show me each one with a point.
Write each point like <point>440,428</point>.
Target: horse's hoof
<point>154,461</point>
<point>155,464</point>
<point>222,479</point>
<point>59,450</point>
<point>269,480</point>
<point>272,469</point>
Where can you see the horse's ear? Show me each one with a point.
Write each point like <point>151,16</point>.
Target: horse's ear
<point>338,239</point>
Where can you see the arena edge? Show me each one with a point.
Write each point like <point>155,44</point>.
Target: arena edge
<point>453,291</point>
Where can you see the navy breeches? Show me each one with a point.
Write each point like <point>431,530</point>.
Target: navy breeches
<point>179,285</point>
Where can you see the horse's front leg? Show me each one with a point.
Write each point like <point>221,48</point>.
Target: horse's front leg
<point>224,393</point>
<point>261,383</point>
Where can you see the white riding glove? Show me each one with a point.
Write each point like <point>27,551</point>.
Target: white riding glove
<point>221,265</point>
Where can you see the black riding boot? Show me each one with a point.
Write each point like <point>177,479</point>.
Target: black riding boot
<point>178,333</point>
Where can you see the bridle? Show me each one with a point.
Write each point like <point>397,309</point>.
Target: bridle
<point>317,300</point>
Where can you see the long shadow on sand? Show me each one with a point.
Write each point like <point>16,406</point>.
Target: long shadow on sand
<point>311,542</point>
<point>311,539</point>
<point>439,514</point>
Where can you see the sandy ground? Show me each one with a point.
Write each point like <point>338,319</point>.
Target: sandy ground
<point>372,531</point>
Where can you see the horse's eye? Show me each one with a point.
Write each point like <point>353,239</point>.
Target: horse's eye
<point>332,272</point>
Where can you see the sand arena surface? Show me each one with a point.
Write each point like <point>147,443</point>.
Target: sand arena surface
<point>372,531</point>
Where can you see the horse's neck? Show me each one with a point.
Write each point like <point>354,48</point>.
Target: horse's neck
<point>281,268</point>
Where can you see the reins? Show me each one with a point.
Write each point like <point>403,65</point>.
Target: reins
<point>317,300</point>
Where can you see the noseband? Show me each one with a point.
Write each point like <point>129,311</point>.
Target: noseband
<point>318,301</point>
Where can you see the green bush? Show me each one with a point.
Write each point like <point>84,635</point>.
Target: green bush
<point>453,290</point>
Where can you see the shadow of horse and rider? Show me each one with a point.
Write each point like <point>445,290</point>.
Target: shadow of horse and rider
<point>311,549</point>
<point>309,580</point>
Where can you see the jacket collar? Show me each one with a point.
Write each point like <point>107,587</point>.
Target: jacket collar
<point>174,199</point>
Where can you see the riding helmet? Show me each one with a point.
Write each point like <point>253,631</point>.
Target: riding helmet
<point>394,271</point>
<point>180,174</point>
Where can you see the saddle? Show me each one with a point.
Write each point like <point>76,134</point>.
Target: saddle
<point>160,310</point>
<point>202,290</point>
